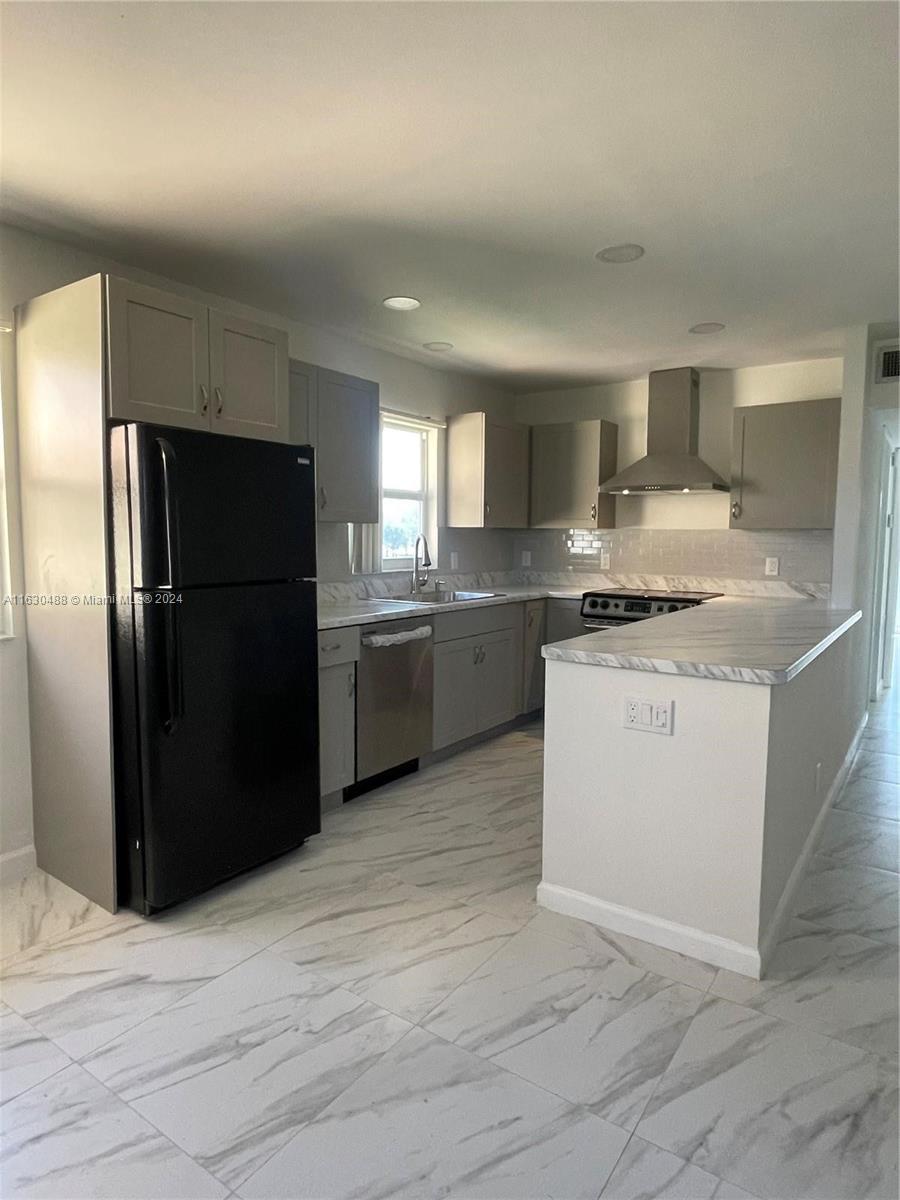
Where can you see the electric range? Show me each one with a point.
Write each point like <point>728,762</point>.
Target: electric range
<point>615,607</point>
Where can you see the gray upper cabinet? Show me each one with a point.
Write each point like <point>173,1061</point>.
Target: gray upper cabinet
<point>346,437</point>
<point>784,465</point>
<point>158,356</point>
<point>569,461</point>
<point>302,393</point>
<point>173,361</point>
<point>487,473</point>
<point>248,368</point>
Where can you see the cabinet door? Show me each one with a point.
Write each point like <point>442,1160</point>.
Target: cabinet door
<point>248,366</point>
<point>158,356</point>
<point>568,463</point>
<point>347,448</point>
<point>337,727</point>
<point>564,620</point>
<point>532,661</point>
<point>457,678</point>
<point>301,403</point>
<point>505,476</point>
<point>784,465</point>
<point>498,674</point>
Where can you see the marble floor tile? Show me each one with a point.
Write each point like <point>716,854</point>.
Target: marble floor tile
<point>599,1033</point>
<point>883,741</point>
<point>513,900</point>
<point>837,984</point>
<point>868,841</point>
<point>86,988</point>
<point>849,898</point>
<point>644,1172</point>
<point>431,1120</point>
<point>872,797</point>
<point>776,1109</point>
<point>231,1072</point>
<point>26,1056</point>
<point>872,765</point>
<point>606,944</point>
<point>399,946</point>
<point>39,908</point>
<point>71,1139</point>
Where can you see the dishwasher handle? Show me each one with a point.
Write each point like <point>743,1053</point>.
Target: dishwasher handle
<point>376,640</point>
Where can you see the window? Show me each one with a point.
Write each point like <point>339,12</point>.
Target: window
<point>408,486</point>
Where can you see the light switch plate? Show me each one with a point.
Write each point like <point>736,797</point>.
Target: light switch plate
<point>649,716</point>
<point>604,560</point>
<point>772,565</point>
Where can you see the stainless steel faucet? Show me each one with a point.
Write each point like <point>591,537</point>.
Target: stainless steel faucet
<point>420,578</point>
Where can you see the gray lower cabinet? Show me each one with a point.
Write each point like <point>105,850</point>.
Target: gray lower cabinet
<point>337,727</point>
<point>564,620</point>
<point>339,415</point>
<point>476,685</point>
<point>569,461</point>
<point>784,465</point>
<point>532,660</point>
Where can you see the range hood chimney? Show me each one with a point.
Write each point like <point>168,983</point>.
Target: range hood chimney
<point>671,463</point>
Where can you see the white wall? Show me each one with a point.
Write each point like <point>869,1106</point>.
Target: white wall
<point>33,265</point>
<point>720,392</point>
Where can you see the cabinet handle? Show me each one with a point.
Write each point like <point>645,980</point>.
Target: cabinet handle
<point>204,396</point>
<point>736,510</point>
<point>323,497</point>
<point>475,656</point>
<point>482,654</point>
<point>331,646</point>
<point>593,512</point>
<point>487,510</point>
<point>351,684</point>
<point>220,403</point>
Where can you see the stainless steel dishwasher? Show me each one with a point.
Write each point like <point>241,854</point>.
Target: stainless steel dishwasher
<point>394,686</point>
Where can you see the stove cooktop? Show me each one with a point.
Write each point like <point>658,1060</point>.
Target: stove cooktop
<point>617,606</point>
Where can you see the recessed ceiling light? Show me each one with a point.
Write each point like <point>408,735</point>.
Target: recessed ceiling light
<point>707,327</point>
<point>438,347</point>
<point>627,252</point>
<point>402,303</point>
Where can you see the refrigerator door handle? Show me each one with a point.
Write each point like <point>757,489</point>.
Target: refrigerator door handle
<point>174,677</point>
<point>170,505</point>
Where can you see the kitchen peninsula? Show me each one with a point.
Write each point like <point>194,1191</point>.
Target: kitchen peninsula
<point>693,833</point>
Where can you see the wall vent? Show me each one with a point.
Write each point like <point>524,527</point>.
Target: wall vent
<point>887,362</point>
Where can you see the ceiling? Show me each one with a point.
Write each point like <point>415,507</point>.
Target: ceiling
<point>313,158</point>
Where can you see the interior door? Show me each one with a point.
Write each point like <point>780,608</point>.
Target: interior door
<point>158,356</point>
<point>347,448</point>
<point>249,378</point>
<point>227,685</point>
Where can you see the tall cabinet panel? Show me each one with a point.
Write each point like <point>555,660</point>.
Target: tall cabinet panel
<point>569,461</point>
<point>158,356</point>
<point>347,441</point>
<point>784,465</point>
<point>248,366</point>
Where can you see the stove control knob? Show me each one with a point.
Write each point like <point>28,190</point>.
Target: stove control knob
<point>673,608</point>
<point>604,604</point>
<point>592,603</point>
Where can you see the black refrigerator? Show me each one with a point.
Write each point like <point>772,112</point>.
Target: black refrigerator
<point>215,681</point>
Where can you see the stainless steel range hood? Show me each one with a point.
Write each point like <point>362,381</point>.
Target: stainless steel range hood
<point>671,463</point>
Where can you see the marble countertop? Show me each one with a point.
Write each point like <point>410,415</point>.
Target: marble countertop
<point>734,638</point>
<point>335,614</point>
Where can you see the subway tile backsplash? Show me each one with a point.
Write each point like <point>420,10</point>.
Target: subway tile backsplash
<point>804,555</point>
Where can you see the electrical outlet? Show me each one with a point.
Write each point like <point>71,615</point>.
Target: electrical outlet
<point>526,558</point>
<point>649,716</point>
<point>454,560</point>
<point>771,566</point>
<point>604,560</point>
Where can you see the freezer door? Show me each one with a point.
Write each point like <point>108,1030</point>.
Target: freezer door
<point>228,731</point>
<point>209,509</point>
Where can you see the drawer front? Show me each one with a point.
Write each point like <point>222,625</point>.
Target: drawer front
<point>338,646</point>
<point>475,621</point>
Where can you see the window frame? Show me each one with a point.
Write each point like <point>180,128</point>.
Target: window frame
<point>426,495</point>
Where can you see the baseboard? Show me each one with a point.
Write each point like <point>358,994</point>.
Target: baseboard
<point>785,905</point>
<point>719,952</point>
<point>16,864</point>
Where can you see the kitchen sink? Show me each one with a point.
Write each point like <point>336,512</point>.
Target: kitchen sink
<point>435,597</point>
